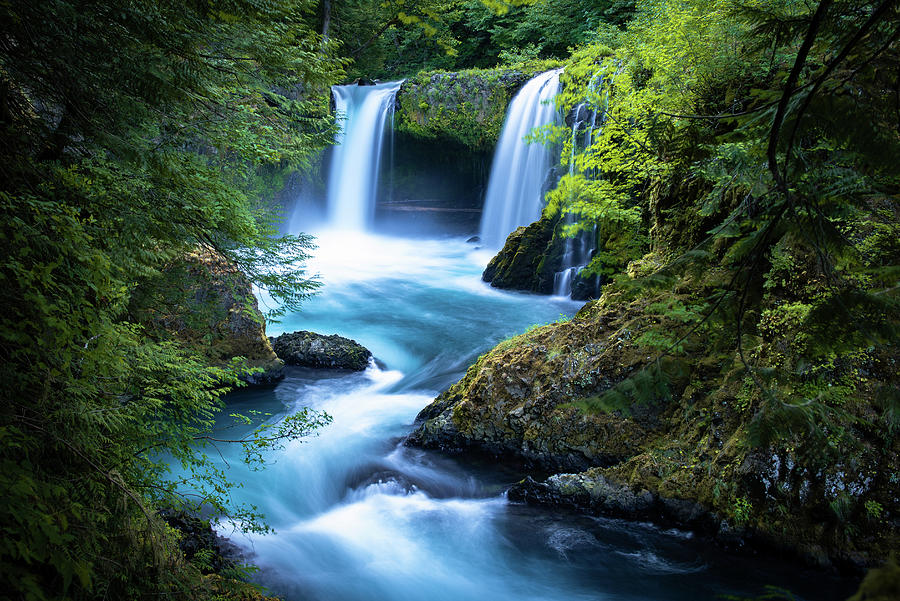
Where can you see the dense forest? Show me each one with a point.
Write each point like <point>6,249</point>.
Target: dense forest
<point>739,188</point>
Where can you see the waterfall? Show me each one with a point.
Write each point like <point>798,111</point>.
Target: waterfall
<point>579,250</point>
<point>516,184</point>
<point>353,176</point>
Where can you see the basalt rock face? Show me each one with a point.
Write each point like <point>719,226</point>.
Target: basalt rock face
<point>309,349</point>
<point>681,456</point>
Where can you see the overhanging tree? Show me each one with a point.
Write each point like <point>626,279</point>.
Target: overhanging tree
<point>131,133</point>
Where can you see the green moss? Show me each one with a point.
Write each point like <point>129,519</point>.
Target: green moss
<point>467,107</point>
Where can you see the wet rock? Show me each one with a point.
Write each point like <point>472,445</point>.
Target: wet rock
<point>595,493</point>
<point>309,349</point>
<point>529,259</point>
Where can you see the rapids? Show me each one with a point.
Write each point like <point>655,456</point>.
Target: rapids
<point>359,516</point>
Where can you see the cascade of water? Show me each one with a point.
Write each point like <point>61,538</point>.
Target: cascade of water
<point>578,250</point>
<point>353,176</point>
<point>515,187</point>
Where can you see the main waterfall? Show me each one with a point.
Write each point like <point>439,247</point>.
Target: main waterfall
<point>353,176</point>
<point>515,188</point>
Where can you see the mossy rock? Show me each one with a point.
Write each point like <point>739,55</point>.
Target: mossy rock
<point>308,349</point>
<point>466,107</point>
<point>529,259</point>
<point>204,301</point>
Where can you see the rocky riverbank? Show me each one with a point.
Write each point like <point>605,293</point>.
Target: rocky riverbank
<point>677,451</point>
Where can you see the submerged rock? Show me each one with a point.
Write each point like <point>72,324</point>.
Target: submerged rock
<point>309,349</point>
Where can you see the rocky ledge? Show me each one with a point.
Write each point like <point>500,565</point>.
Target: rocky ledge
<point>309,349</point>
<point>679,456</point>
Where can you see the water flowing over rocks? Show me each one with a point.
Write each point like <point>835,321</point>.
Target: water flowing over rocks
<point>309,349</point>
<point>673,458</point>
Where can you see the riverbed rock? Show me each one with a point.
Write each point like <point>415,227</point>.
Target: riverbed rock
<point>309,349</point>
<point>592,491</point>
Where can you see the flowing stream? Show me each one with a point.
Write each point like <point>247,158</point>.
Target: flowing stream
<point>359,516</point>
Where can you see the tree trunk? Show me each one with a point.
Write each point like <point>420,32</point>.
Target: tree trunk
<point>326,17</point>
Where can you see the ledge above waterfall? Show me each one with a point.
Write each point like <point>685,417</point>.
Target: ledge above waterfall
<point>466,107</point>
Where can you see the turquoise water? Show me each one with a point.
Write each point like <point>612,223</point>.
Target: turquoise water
<point>359,516</point>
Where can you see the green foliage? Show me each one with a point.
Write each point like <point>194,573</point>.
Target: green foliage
<point>131,135</point>
<point>740,510</point>
<point>423,35</point>
<point>768,124</point>
<point>874,509</point>
<point>650,385</point>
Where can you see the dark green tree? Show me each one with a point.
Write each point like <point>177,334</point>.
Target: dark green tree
<point>130,134</point>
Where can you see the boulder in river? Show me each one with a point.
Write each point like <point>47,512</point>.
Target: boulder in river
<point>309,349</point>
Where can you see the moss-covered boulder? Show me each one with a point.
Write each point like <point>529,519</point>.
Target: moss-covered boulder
<point>204,301</point>
<point>532,256</point>
<point>308,349</point>
<point>529,259</point>
<point>516,401</point>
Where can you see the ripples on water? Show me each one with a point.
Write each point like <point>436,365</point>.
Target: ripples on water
<point>358,516</point>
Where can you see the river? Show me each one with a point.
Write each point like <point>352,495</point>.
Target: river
<point>359,516</point>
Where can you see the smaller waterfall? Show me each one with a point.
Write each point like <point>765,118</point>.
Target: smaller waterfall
<point>353,176</point>
<point>579,249</point>
<point>516,184</point>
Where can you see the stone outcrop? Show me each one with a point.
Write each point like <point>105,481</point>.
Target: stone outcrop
<point>676,452</point>
<point>515,401</point>
<point>529,259</point>
<point>466,107</point>
<point>207,303</point>
<point>309,349</point>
